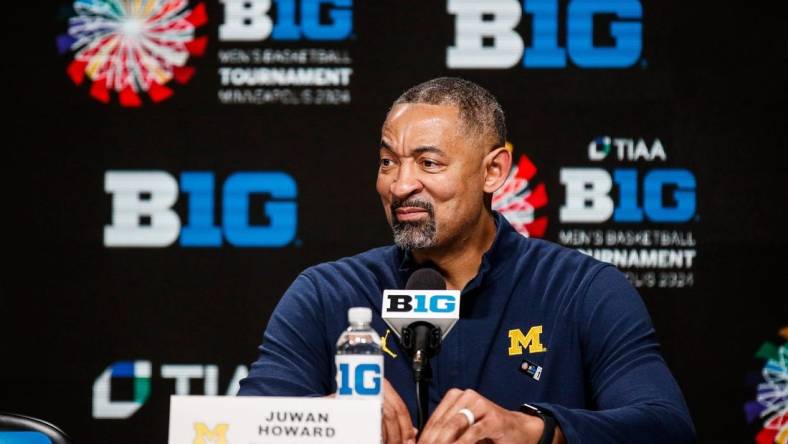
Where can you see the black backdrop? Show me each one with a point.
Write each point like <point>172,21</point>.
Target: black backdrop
<point>709,85</point>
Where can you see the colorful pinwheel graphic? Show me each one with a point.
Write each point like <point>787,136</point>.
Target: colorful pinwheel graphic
<point>518,201</point>
<point>770,406</point>
<point>132,46</point>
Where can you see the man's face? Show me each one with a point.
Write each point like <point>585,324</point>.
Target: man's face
<point>430,177</point>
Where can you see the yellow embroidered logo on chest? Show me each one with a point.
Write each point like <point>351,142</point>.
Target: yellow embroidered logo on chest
<point>531,340</point>
<point>384,345</point>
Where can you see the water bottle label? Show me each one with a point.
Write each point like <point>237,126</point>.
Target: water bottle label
<point>359,376</point>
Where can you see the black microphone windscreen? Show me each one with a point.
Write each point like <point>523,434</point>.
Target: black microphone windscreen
<point>425,279</point>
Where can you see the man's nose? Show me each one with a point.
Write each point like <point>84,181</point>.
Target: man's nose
<point>407,183</point>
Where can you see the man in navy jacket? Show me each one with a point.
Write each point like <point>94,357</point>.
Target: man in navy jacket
<point>540,324</point>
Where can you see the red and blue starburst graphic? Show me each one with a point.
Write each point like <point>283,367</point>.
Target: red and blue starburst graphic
<point>769,409</point>
<point>519,199</point>
<point>132,47</point>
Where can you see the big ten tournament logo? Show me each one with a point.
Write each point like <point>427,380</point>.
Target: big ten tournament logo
<point>589,33</point>
<point>136,50</point>
<point>125,386</point>
<point>767,413</point>
<point>637,216</point>
<point>305,59</point>
<point>521,197</point>
<point>257,209</point>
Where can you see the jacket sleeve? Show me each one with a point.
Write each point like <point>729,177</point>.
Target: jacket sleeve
<point>295,356</point>
<point>634,395</point>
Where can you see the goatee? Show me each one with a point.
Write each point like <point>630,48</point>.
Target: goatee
<point>412,235</point>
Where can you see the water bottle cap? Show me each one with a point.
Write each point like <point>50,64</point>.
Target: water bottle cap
<point>359,315</point>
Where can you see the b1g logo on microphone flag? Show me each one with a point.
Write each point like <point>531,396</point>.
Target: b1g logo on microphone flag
<point>132,49</point>
<point>404,303</point>
<point>440,307</point>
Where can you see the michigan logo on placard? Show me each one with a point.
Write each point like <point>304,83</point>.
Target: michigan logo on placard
<point>206,435</point>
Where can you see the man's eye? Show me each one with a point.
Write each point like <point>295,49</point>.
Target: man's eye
<point>385,162</point>
<point>427,163</point>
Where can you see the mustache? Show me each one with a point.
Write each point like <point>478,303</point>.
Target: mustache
<point>412,203</point>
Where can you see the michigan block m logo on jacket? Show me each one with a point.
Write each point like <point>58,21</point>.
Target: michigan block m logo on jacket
<point>531,340</point>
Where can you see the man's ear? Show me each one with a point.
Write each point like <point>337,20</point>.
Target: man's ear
<point>497,164</point>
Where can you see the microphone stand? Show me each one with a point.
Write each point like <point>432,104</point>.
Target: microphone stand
<point>422,341</point>
<point>422,373</point>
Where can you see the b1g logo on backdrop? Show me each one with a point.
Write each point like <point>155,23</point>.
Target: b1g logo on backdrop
<point>132,49</point>
<point>125,386</point>
<point>636,216</point>
<point>281,73</point>
<point>486,35</point>
<point>249,20</point>
<point>588,189</point>
<point>257,209</point>
<point>521,197</point>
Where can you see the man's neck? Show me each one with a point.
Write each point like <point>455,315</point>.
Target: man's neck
<point>459,261</point>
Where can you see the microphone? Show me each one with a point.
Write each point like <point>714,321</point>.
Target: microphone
<point>424,299</point>
<point>422,339</point>
<point>421,316</point>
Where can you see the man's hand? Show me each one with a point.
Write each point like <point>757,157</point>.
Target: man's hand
<point>397,427</point>
<point>492,422</point>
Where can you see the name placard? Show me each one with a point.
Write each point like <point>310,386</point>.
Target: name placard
<point>273,420</point>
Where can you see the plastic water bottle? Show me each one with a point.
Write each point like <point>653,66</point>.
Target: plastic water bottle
<point>359,358</point>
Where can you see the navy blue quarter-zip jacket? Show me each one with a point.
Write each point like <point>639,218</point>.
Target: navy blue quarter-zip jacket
<point>580,320</point>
